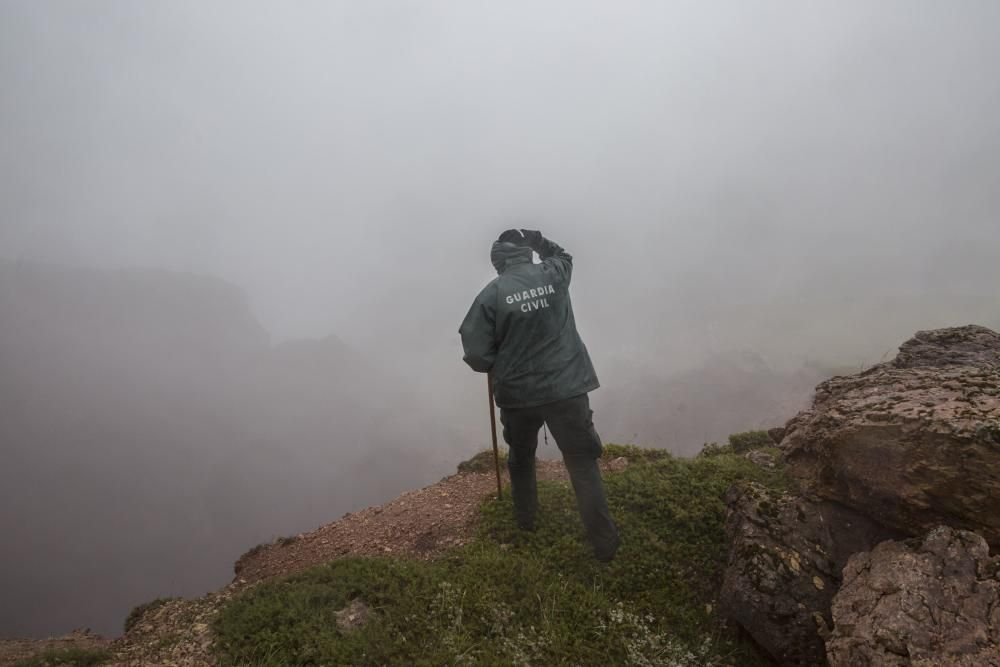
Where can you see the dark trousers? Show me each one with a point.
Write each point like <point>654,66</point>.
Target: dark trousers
<point>572,426</point>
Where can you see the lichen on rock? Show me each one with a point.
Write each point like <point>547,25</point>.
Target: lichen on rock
<point>785,560</point>
<point>931,600</point>
<point>913,442</point>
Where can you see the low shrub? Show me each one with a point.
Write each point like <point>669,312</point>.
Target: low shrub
<point>633,453</point>
<point>483,461</point>
<point>744,442</point>
<point>714,449</point>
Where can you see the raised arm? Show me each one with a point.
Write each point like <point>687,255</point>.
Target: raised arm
<point>554,258</point>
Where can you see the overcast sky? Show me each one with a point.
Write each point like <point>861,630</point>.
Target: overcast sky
<point>349,163</point>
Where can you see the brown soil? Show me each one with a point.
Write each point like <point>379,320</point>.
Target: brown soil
<point>418,524</point>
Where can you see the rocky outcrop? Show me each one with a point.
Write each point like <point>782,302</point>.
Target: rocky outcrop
<point>785,564</point>
<point>762,458</point>
<point>933,601</point>
<point>914,442</point>
<point>892,451</point>
<point>958,346</point>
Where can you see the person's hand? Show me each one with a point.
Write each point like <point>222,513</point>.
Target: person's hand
<point>532,238</point>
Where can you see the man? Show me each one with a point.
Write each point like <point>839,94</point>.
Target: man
<point>521,328</point>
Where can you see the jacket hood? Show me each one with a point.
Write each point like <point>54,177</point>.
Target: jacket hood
<point>504,255</point>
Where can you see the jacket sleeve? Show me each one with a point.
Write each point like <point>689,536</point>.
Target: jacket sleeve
<point>554,258</point>
<point>478,332</point>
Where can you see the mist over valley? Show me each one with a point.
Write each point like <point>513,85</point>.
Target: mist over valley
<point>237,241</point>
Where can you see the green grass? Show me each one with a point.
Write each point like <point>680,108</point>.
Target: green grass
<point>67,657</point>
<point>739,443</point>
<point>483,461</point>
<point>744,442</point>
<point>634,453</point>
<point>520,598</point>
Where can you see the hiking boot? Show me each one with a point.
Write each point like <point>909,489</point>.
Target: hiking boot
<point>607,555</point>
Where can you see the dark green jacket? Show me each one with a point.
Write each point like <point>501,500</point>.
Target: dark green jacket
<point>521,327</point>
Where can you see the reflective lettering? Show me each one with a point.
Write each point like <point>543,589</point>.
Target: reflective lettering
<point>532,299</point>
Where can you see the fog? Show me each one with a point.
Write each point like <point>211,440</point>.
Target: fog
<point>237,240</point>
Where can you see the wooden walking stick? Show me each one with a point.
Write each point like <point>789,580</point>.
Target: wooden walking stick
<point>493,431</point>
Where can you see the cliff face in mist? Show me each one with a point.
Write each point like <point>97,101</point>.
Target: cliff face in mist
<point>858,533</point>
<point>151,431</point>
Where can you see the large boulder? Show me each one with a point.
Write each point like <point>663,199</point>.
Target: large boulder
<point>929,601</point>
<point>914,442</point>
<point>785,561</point>
<point>957,346</point>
